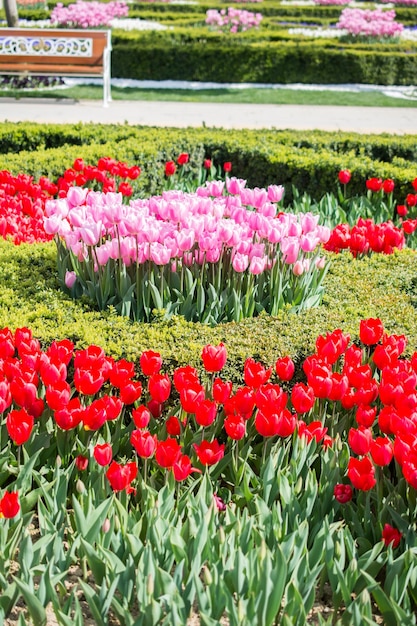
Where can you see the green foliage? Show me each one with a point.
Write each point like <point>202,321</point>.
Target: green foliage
<point>198,54</point>
<point>309,161</point>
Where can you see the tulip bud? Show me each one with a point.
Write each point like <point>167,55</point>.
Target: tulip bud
<point>80,487</point>
<point>241,612</point>
<point>58,461</point>
<point>222,535</point>
<point>116,523</point>
<point>207,577</point>
<point>150,585</point>
<point>263,550</point>
<point>106,525</point>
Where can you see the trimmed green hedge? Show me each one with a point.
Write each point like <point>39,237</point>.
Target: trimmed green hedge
<point>379,286</point>
<point>308,160</point>
<point>205,56</point>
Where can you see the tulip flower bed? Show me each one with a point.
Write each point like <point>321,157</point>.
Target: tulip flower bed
<point>136,493</point>
<point>121,467</point>
<point>206,256</point>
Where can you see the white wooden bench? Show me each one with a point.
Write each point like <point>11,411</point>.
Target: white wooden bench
<point>57,52</point>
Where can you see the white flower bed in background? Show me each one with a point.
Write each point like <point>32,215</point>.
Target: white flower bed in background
<point>318,32</point>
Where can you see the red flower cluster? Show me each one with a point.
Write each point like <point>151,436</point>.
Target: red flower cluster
<point>365,237</point>
<point>109,174</point>
<point>381,394</point>
<point>22,204</point>
<point>22,201</point>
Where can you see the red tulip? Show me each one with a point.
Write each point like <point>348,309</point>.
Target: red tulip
<point>209,453</point>
<point>155,408</point>
<point>130,391</point>
<point>58,395</point>
<point>133,172</point>
<point>19,425</point>
<point>221,390</point>
<point>235,426</point>
<point>70,416</point>
<point>343,493</point>
<point>374,184</point>
<point>331,346</point>
<point>144,443</point>
<point>409,468</point>
<point>5,395</point>
<point>340,385</point>
<point>388,185</point>
<point>371,331</point>
<point>302,398</point>
<point>191,397</point>
<point>141,416</point>
<point>167,453</point>
<point>173,426</point>
<point>183,158</point>
<point>255,374</point>
<point>227,166</point>
<point>185,377</point>
<point>9,504</point>
<point>95,415</point>
<point>103,453</point>
<point>242,402</point>
<point>51,372</point>
<point>205,412</point>
<point>320,379</point>
<point>285,368</point>
<point>314,430</point>
<point>182,468</point>
<point>344,177</point>
<point>381,451</point>
<point>159,387</point>
<point>170,168</point>
<point>125,189</point>
<point>391,536</point>
<point>81,463</point>
<point>120,476</point>
<point>282,424</point>
<point>60,351</point>
<point>121,373</point>
<point>361,473</point>
<point>360,440</point>
<point>411,199</point>
<point>150,362</point>
<point>214,357</point>
<point>365,415</point>
<point>88,382</point>
<point>271,398</point>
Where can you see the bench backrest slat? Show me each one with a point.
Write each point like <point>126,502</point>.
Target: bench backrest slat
<point>59,52</point>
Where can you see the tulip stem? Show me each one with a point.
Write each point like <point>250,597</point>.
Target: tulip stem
<point>145,471</point>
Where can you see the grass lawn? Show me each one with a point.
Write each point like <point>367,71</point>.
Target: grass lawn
<point>255,96</point>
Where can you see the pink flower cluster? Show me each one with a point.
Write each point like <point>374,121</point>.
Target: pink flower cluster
<point>194,227</point>
<point>365,237</point>
<point>233,20</point>
<point>88,14</point>
<point>364,22</point>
